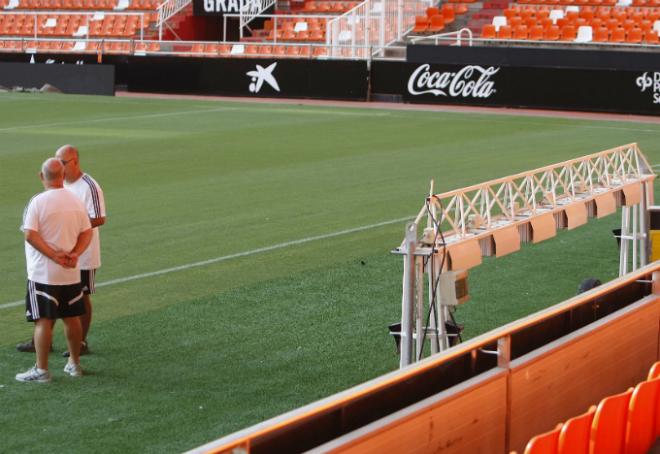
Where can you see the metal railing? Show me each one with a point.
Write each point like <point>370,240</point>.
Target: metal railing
<point>373,24</point>
<point>452,38</point>
<point>199,49</point>
<point>250,9</point>
<point>167,10</point>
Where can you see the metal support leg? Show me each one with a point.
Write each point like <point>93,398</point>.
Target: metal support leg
<point>635,238</point>
<point>644,226</point>
<point>419,314</point>
<point>623,253</point>
<point>408,299</point>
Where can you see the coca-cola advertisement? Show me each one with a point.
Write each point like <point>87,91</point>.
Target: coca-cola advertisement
<point>467,84</point>
<point>597,89</point>
<point>470,81</point>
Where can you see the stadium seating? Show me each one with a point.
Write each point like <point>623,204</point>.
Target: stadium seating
<point>643,411</point>
<point>575,434</point>
<point>77,25</point>
<point>609,426</point>
<point>546,443</point>
<point>436,19</point>
<point>609,24</point>
<point>622,423</point>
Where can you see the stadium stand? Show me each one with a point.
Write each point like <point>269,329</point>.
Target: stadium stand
<point>602,24</point>
<point>621,423</point>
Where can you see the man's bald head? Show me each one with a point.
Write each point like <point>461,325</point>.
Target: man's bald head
<point>66,152</point>
<point>68,156</point>
<point>52,173</point>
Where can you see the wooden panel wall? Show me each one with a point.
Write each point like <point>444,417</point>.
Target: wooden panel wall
<point>466,419</point>
<point>564,378</point>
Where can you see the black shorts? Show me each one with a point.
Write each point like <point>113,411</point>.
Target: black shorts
<point>53,301</point>
<point>88,281</point>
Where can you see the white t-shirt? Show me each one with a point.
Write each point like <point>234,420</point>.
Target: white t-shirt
<point>91,195</point>
<point>60,218</point>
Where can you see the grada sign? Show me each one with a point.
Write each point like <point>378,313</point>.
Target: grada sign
<point>471,81</point>
<point>219,7</point>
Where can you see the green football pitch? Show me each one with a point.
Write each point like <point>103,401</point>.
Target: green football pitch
<point>246,255</point>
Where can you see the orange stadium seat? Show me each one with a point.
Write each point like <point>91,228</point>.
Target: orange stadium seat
<point>601,35</point>
<point>488,31</point>
<point>459,8</point>
<point>536,33</point>
<point>618,35</point>
<point>279,50</point>
<point>520,32</point>
<point>510,12</point>
<point>436,24</point>
<point>293,51</point>
<point>545,443</point>
<point>654,372</point>
<point>551,33</point>
<point>609,427</point>
<point>530,22</point>
<point>421,24</point>
<point>575,434</point>
<point>317,36</point>
<point>596,22</point>
<point>642,414</point>
<point>634,36</point>
<point>448,14</point>
<point>504,32</point>
<point>432,11</point>
<point>320,51</point>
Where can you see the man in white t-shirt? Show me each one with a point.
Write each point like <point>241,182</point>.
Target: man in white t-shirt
<point>90,193</point>
<point>57,231</point>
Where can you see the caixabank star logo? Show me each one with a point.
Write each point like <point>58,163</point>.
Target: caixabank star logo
<point>261,75</point>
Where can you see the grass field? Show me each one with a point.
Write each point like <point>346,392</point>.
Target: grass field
<point>295,208</point>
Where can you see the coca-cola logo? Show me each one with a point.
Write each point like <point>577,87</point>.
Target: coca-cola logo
<point>470,81</point>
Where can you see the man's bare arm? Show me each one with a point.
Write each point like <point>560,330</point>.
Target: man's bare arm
<point>36,241</point>
<point>97,222</point>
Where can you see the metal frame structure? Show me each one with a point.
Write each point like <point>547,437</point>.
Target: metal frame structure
<point>492,218</point>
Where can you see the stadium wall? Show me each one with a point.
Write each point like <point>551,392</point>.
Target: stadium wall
<point>590,80</point>
<point>587,80</point>
<point>73,79</point>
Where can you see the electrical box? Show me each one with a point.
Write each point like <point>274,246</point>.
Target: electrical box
<point>453,288</point>
<point>654,232</point>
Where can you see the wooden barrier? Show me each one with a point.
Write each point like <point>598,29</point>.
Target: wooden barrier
<point>490,394</point>
<point>565,377</point>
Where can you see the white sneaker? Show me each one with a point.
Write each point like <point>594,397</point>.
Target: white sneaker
<point>33,375</point>
<point>73,370</point>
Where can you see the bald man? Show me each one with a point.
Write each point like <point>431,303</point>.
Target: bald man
<point>90,193</point>
<point>57,231</point>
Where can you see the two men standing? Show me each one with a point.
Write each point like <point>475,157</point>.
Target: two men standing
<point>59,224</point>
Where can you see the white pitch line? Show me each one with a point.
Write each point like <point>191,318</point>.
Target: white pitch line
<point>233,256</point>
<point>127,117</point>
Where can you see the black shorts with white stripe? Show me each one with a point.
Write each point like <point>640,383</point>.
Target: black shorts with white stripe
<point>88,281</point>
<point>53,301</point>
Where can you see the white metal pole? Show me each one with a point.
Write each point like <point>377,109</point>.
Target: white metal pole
<point>433,308</point>
<point>408,295</point>
<point>635,209</point>
<point>419,317</point>
<point>623,254</point>
<point>644,246</point>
